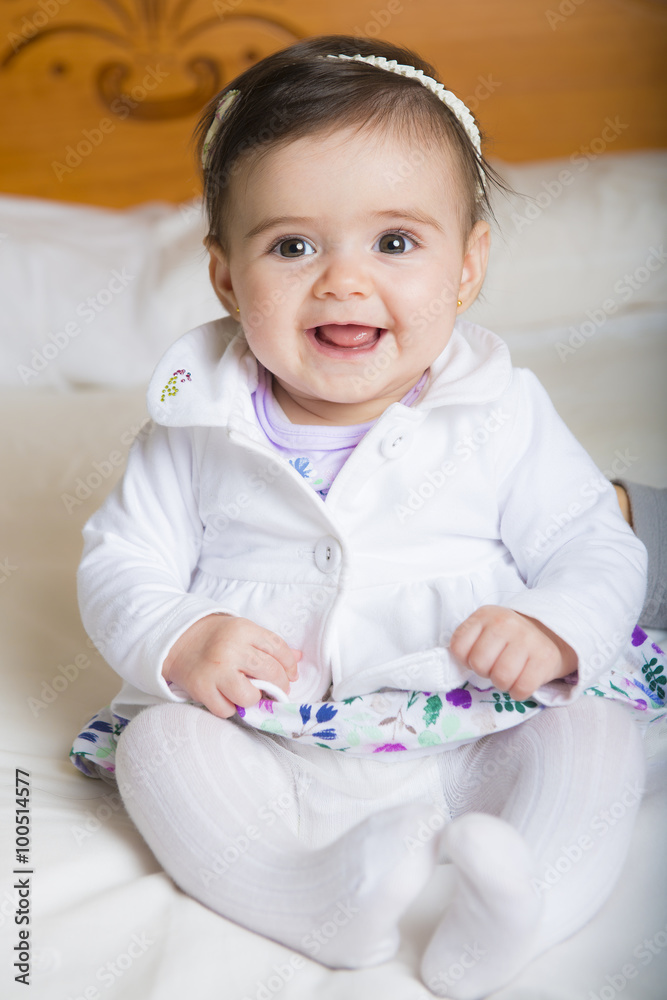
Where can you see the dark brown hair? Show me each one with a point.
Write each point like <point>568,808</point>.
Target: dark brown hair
<point>298,92</point>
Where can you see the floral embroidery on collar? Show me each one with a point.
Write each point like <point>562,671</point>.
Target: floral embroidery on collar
<point>171,388</point>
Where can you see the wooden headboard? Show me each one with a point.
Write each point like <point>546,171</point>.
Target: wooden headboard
<point>98,97</point>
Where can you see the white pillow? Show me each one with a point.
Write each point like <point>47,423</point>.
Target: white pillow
<point>96,296</point>
<point>588,242</point>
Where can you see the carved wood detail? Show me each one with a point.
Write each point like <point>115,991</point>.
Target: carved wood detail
<point>111,77</point>
<point>151,27</point>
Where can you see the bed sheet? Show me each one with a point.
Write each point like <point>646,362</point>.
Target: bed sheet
<point>106,921</point>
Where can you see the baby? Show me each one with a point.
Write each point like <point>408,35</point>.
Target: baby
<point>342,504</point>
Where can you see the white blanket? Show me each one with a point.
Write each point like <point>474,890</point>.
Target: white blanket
<point>106,922</point>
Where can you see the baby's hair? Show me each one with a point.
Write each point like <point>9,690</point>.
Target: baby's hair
<point>299,92</point>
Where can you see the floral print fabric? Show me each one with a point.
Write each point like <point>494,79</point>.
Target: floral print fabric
<point>393,721</point>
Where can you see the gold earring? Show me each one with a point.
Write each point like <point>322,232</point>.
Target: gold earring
<point>238,310</point>
<point>458,302</point>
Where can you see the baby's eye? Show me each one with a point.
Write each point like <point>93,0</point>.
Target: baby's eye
<point>395,243</point>
<point>294,246</point>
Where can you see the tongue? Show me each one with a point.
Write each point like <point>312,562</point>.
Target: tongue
<point>348,335</point>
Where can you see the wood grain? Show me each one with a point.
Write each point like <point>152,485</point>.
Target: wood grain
<point>98,98</point>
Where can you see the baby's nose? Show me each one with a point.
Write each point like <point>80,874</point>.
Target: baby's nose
<point>343,277</point>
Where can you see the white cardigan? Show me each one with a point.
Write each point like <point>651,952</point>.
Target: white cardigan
<point>476,494</point>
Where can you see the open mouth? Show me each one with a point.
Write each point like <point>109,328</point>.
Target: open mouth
<point>347,336</point>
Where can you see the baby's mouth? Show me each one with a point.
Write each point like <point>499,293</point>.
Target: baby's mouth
<point>348,335</point>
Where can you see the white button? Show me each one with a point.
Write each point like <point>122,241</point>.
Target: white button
<point>327,554</point>
<point>396,443</point>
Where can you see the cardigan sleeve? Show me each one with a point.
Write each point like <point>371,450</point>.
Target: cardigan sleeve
<point>140,550</point>
<point>584,568</point>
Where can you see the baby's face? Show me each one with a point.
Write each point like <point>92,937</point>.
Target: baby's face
<point>345,256</point>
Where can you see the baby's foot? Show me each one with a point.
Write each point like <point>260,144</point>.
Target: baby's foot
<point>379,872</point>
<point>487,934</point>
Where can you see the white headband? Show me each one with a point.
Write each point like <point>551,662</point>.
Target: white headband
<point>223,107</point>
<point>453,102</point>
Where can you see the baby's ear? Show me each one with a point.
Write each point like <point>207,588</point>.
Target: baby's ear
<point>219,273</point>
<point>475,262</point>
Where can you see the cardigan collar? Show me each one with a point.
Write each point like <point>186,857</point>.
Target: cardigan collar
<point>207,377</point>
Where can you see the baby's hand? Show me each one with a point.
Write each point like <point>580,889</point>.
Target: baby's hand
<point>518,654</point>
<point>214,658</point>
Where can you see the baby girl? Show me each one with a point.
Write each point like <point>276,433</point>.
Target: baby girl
<point>337,506</point>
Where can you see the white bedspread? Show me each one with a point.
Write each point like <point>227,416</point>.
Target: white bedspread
<point>96,889</point>
<point>106,921</point>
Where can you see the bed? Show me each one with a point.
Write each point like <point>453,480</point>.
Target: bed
<point>101,267</point>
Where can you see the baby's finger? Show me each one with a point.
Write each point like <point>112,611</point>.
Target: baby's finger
<point>293,671</point>
<point>465,636</point>
<point>276,647</point>
<point>486,651</point>
<point>246,691</point>
<point>532,677</point>
<point>490,641</point>
<point>218,704</point>
<point>508,667</point>
<point>264,667</point>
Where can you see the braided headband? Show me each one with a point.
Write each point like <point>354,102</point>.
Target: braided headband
<point>451,100</point>
<point>223,107</point>
<point>454,103</point>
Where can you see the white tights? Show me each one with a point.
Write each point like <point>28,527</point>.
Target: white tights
<point>324,852</point>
